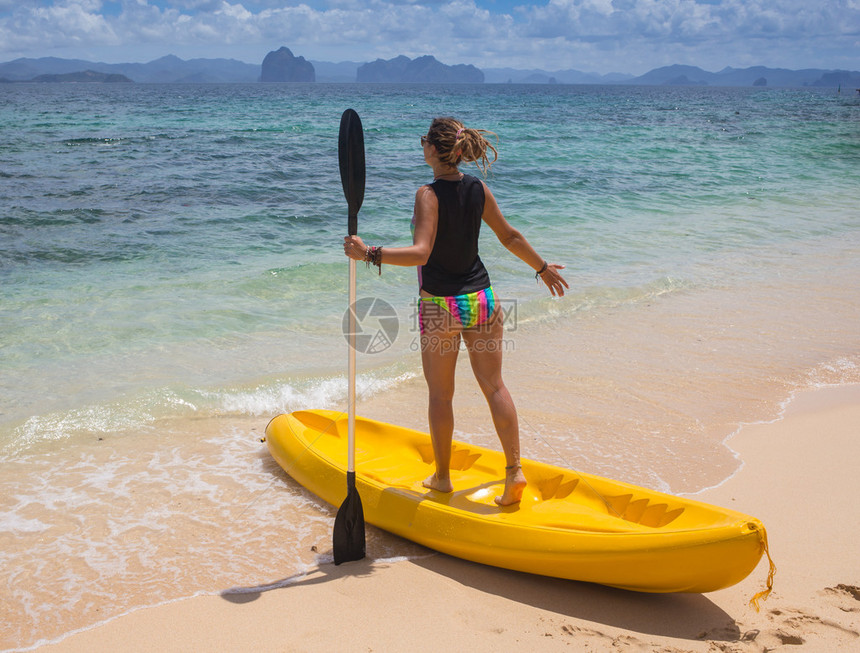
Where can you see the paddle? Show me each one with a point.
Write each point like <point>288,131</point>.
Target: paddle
<point>348,538</point>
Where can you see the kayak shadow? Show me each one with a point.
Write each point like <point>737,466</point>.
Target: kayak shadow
<point>683,616</point>
<point>691,617</point>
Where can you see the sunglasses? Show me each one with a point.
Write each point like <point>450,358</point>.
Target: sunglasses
<point>425,141</point>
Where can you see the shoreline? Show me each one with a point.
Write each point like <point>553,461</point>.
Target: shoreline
<point>383,606</point>
<point>832,389</point>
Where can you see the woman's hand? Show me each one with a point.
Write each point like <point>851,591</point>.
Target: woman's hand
<point>553,279</point>
<point>354,248</point>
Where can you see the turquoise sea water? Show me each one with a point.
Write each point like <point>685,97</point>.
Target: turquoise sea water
<point>167,245</point>
<point>172,253</point>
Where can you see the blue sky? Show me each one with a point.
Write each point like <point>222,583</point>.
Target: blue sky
<point>631,36</point>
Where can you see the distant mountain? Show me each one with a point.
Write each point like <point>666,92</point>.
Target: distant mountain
<point>839,78</point>
<point>536,76</point>
<point>169,69</point>
<point>26,69</point>
<point>283,66</point>
<point>670,75</point>
<point>755,76</point>
<point>344,71</point>
<point>423,70</point>
<point>172,69</point>
<point>85,76</point>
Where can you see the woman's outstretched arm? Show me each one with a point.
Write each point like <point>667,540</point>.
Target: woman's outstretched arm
<point>516,243</point>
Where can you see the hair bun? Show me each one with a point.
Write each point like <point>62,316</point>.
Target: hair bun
<point>447,134</point>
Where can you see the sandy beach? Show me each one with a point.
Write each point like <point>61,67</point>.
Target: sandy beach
<point>798,476</point>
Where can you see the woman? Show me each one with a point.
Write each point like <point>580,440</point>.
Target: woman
<point>456,298</point>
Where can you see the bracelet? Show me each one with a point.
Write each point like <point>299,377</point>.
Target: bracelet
<point>373,256</point>
<point>377,258</point>
<point>541,271</point>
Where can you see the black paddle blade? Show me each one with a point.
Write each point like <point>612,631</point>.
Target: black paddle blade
<point>350,153</point>
<point>348,539</point>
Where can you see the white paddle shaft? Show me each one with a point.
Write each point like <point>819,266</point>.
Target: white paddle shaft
<point>350,467</point>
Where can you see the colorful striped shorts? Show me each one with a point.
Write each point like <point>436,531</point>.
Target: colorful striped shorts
<point>469,310</point>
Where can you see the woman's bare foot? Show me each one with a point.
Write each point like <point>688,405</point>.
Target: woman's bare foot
<point>515,483</point>
<point>438,484</point>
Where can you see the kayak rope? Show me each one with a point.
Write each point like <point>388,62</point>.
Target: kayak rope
<point>762,596</point>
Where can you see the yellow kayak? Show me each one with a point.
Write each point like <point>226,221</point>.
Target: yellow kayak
<point>568,525</point>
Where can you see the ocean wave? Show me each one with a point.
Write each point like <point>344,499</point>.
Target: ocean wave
<point>270,399</point>
<point>142,413</point>
<point>595,298</point>
<point>839,371</point>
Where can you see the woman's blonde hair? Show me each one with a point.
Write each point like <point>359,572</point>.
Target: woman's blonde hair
<point>456,143</point>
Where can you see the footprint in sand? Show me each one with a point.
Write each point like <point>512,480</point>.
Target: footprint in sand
<point>845,597</point>
<point>796,628</point>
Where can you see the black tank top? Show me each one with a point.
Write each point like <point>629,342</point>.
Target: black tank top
<point>454,267</point>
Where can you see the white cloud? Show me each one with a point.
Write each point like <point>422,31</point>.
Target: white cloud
<point>680,20</point>
<point>66,23</point>
<point>598,35</point>
<point>732,32</point>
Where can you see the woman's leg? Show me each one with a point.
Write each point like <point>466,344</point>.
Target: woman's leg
<point>484,343</point>
<point>440,344</point>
